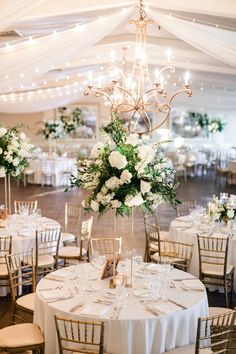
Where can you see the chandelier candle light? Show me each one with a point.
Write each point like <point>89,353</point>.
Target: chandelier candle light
<point>128,94</point>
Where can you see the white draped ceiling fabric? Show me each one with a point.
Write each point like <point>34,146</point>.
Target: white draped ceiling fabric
<point>63,39</point>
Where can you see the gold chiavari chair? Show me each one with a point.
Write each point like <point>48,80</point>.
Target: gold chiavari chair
<point>213,267</point>
<point>80,252</point>
<point>185,207</point>
<point>80,336</point>
<point>47,245</point>
<point>72,218</point>
<point>29,205</point>
<point>21,338</point>
<point>5,250</point>
<point>108,247</point>
<point>213,336</point>
<point>21,272</point>
<point>179,254</point>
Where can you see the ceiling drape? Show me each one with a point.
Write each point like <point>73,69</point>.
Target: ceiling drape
<point>25,61</point>
<point>216,42</point>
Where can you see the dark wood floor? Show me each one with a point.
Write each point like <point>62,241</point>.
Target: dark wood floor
<point>51,201</point>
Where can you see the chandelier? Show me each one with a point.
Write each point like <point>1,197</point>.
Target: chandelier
<point>143,103</point>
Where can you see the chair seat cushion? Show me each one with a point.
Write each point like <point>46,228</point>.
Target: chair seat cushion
<point>3,271</point>
<point>66,236</point>
<point>21,335</point>
<point>45,260</point>
<point>215,311</point>
<point>70,251</point>
<point>214,269</point>
<point>188,349</point>
<point>171,259</point>
<point>27,301</point>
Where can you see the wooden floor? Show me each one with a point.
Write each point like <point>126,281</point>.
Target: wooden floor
<point>51,201</point>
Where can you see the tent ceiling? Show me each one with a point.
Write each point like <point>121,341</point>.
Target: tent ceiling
<point>210,76</point>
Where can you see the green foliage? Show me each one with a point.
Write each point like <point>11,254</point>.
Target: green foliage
<point>212,125</point>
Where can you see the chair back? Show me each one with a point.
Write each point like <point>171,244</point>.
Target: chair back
<point>214,333</point>
<point>177,251</point>
<point>29,206</point>
<point>185,207</point>
<point>72,215</point>
<point>213,254</point>
<point>150,218</point>
<point>79,336</point>
<point>21,271</point>
<point>47,243</point>
<point>86,229</point>
<point>108,247</point>
<point>153,243</point>
<point>5,249</point>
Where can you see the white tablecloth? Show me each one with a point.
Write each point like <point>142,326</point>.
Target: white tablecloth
<point>181,231</point>
<point>23,231</point>
<point>136,331</point>
<point>61,167</point>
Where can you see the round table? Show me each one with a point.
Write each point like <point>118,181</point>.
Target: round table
<point>184,230</point>
<point>136,330</point>
<point>23,232</point>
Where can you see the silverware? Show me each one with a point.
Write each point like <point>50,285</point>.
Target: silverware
<point>48,289</point>
<point>64,298</point>
<point>118,311</point>
<point>114,311</point>
<point>180,279</point>
<point>155,313</point>
<point>73,309</point>
<point>103,302</point>
<point>177,304</point>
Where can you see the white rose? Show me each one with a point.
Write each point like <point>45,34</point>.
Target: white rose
<point>146,153</point>
<point>22,136</point>
<point>115,204</point>
<point>94,205</point>
<point>104,190</point>
<point>133,139</point>
<point>3,131</point>
<point>112,183</point>
<point>216,216</point>
<point>16,161</point>
<point>214,208</point>
<point>117,160</point>
<point>230,213</point>
<point>99,197</point>
<point>145,187</point>
<point>97,150</point>
<point>136,200</point>
<point>0,151</point>
<point>84,204</point>
<point>125,176</point>
<point>2,172</point>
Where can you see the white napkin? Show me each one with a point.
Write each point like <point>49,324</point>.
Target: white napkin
<point>94,310</point>
<point>54,295</point>
<point>192,284</point>
<point>142,292</point>
<point>164,308</point>
<point>60,275</point>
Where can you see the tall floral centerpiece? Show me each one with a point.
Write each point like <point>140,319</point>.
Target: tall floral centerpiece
<point>52,129</point>
<point>124,173</point>
<point>15,149</point>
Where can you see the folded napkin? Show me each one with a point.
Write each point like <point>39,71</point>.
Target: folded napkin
<point>142,292</point>
<point>94,310</point>
<point>110,293</point>
<point>192,284</point>
<point>163,308</point>
<point>54,295</point>
<point>60,275</point>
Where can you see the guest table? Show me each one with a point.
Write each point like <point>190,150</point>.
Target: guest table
<point>183,230</point>
<point>135,330</point>
<point>23,231</point>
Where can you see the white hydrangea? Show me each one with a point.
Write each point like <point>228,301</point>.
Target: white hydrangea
<point>2,172</point>
<point>3,131</point>
<point>97,150</point>
<point>145,187</point>
<point>125,176</point>
<point>115,204</point>
<point>117,160</point>
<point>112,183</point>
<point>94,205</point>
<point>133,139</point>
<point>107,198</point>
<point>16,161</point>
<point>146,153</point>
<point>230,213</point>
<point>134,200</point>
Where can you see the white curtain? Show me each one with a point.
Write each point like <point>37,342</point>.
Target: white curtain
<point>13,10</point>
<point>23,62</point>
<point>216,42</point>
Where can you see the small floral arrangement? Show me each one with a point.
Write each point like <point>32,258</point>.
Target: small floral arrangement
<point>53,129</point>
<point>123,173</point>
<point>15,149</point>
<point>212,125</point>
<point>222,210</point>
<point>72,121</point>
<point>216,125</point>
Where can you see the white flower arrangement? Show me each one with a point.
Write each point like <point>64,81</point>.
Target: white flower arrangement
<point>53,129</point>
<point>222,210</point>
<point>15,149</point>
<point>123,173</point>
